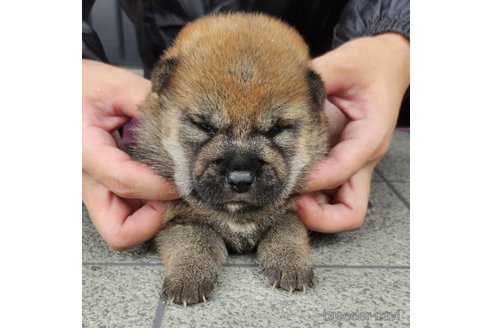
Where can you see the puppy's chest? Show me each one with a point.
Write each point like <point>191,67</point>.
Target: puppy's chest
<point>240,237</point>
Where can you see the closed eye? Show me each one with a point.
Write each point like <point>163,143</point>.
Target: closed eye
<point>205,127</point>
<point>277,129</point>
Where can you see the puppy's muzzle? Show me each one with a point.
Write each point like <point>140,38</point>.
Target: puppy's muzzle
<point>241,171</point>
<point>240,181</point>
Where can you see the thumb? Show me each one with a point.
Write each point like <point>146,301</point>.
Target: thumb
<point>333,72</point>
<point>131,94</point>
<point>114,89</point>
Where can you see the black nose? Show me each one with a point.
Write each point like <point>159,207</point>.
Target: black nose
<point>240,181</point>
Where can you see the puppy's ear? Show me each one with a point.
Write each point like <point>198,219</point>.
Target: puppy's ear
<point>317,87</point>
<point>162,72</point>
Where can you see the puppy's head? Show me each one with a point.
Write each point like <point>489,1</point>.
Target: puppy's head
<point>237,108</point>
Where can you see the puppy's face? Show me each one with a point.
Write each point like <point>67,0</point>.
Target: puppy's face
<point>241,123</point>
<point>241,163</point>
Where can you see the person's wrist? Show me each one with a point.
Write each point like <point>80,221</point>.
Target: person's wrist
<point>398,47</point>
<point>394,40</point>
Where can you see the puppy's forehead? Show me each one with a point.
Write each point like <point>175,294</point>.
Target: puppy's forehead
<point>244,66</point>
<point>237,33</point>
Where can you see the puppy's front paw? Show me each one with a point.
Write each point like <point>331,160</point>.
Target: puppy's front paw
<point>290,276</point>
<point>182,290</point>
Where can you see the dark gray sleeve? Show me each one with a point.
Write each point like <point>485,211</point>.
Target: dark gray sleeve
<point>91,45</point>
<point>369,17</point>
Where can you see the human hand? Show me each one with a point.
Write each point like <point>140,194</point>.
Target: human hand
<point>365,79</point>
<point>123,196</point>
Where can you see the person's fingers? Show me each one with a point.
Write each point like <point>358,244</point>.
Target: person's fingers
<point>130,96</point>
<point>358,146</point>
<point>120,224</point>
<point>118,172</point>
<point>333,72</point>
<point>337,121</point>
<point>345,210</point>
<point>115,97</point>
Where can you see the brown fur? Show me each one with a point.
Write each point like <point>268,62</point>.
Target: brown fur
<point>235,93</point>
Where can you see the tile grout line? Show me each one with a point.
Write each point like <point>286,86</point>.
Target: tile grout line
<point>392,180</point>
<point>348,266</point>
<point>144,264</point>
<point>251,265</point>
<point>242,265</point>
<point>159,312</point>
<point>396,192</point>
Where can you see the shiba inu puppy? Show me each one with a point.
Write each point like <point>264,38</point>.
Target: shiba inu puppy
<point>235,121</point>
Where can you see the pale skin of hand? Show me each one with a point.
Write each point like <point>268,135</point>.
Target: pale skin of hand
<point>114,185</point>
<point>365,80</point>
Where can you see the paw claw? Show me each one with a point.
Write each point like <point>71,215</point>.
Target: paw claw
<point>291,279</point>
<point>187,292</point>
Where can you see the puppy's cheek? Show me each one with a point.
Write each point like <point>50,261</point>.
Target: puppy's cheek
<point>270,186</point>
<point>199,168</point>
<point>277,170</point>
<point>207,176</point>
<point>207,159</point>
<point>203,172</point>
<point>270,177</point>
<point>209,183</point>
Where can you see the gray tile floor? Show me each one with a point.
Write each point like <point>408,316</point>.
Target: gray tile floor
<point>362,277</point>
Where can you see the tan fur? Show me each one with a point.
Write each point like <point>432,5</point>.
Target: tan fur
<point>235,93</point>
